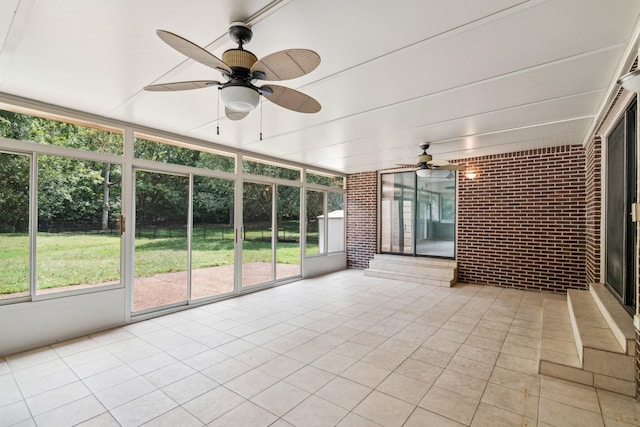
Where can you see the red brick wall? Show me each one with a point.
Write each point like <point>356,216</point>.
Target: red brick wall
<point>593,153</point>
<point>521,221</point>
<point>362,227</point>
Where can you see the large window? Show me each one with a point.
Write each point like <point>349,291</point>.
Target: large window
<point>171,221</point>
<point>14,227</point>
<point>78,242</point>
<point>417,214</point>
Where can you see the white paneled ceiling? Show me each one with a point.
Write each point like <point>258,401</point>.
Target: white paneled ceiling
<point>471,77</point>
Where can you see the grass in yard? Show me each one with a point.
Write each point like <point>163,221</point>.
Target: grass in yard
<point>72,259</point>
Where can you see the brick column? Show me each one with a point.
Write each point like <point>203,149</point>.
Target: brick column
<point>362,227</point>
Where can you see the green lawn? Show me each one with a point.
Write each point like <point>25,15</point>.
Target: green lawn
<point>71,259</point>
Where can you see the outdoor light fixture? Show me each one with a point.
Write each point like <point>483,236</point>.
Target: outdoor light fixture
<point>471,174</point>
<point>240,98</point>
<point>631,81</point>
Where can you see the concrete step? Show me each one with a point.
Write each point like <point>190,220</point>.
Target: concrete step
<point>618,319</point>
<point>427,271</point>
<point>579,345</point>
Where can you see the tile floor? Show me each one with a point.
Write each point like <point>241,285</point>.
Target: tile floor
<point>342,349</point>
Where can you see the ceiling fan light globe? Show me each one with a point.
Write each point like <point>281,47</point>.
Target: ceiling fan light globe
<point>240,98</point>
<point>422,172</point>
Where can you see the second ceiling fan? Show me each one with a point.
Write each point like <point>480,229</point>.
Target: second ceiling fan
<point>425,163</point>
<point>241,68</point>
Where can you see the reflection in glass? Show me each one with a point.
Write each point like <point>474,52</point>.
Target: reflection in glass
<point>212,240</point>
<point>14,226</point>
<point>435,219</point>
<point>161,261</point>
<point>288,237</point>
<point>315,215</point>
<point>257,264</point>
<point>396,212</point>
<point>78,242</point>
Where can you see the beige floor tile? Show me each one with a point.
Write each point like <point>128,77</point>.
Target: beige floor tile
<point>189,388</point>
<point>384,410</point>
<point>516,380</point>
<point>520,351</point>
<point>353,350</point>
<point>515,363</point>
<point>226,370</point>
<point>450,405</point>
<point>484,342</point>
<point>561,415</point>
<point>473,368</point>
<point>464,385</point>
<point>490,416</point>
<point>280,398</point>
<point>143,409</point>
<point>251,383</point>
<point>315,411</point>
<point>309,378</point>
<point>478,354</point>
<point>419,370</point>
<point>343,392</point>
<point>621,408</point>
<point>384,359</point>
<point>89,407</point>
<point>212,404</point>
<point>102,420</point>
<point>281,366</point>
<point>397,345</point>
<point>422,418</point>
<point>246,414</point>
<point>432,356</point>
<point>334,362</point>
<point>404,388</point>
<point>355,420</point>
<point>516,401</point>
<point>570,393</point>
<point>175,417</point>
<point>366,374</point>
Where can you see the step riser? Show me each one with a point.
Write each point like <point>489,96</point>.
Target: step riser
<point>615,316</point>
<point>609,364</point>
<point>408,278</point>
<point>429,271</point>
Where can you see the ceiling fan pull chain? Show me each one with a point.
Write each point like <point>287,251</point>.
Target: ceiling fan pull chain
<point>260,118</point>
<point>218,115</point>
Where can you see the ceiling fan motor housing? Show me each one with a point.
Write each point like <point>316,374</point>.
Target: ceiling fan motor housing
<point>424,158</point>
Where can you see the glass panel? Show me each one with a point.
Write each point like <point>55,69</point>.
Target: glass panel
<point>435,221</point>
<point>396,212</point>
<point>78,244</point>
<point>616,220</point>
<point>315,216</point>
<point>161,262</point>
<point>257,261</point>
<point>45,131</point>
<point>328,180</point>
<point>335,222</point>
<point>275,171</point>
<point>288,238</point>
<point>167,153</point>
<point>212,243</point>
<point>14,225</point>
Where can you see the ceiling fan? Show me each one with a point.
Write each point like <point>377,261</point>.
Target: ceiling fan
<point>241,68</point>
<point>425,163</point>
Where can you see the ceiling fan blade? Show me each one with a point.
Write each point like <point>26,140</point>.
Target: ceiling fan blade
<point>291,99</point>
<point>192,50</point>
<point>450,167</point>
<point>438,163</point>
<point>170,87</point>
<point>286,64</point>
<point>234,115</point>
